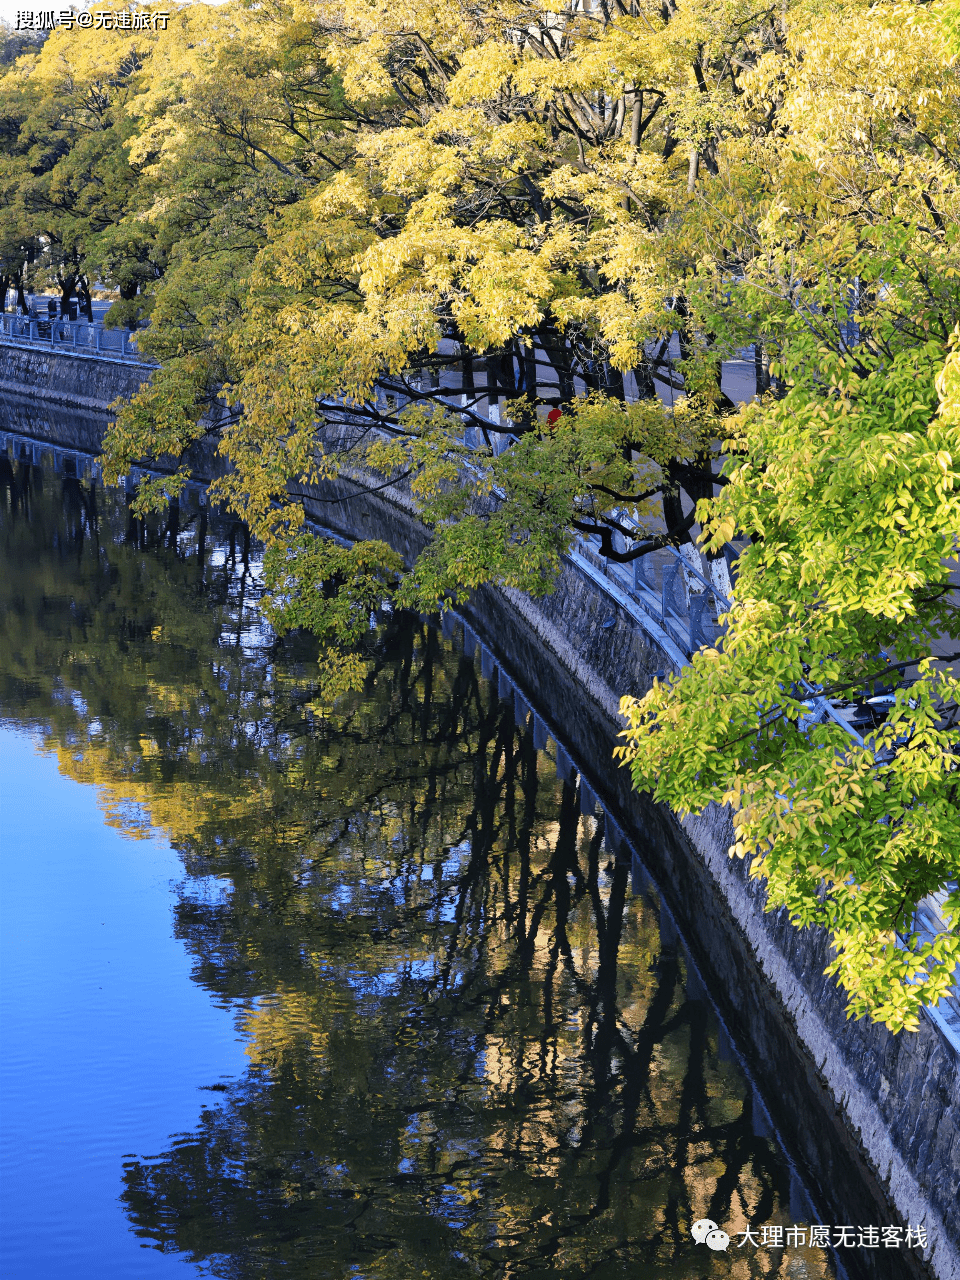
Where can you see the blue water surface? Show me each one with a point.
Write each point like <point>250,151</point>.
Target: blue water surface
<point>106,1042</point>
<point>477,1046</point>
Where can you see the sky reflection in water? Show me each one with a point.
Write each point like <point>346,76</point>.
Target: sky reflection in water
<point>469,1050</point>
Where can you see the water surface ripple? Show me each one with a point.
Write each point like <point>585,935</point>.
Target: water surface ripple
<point>466,1048</point>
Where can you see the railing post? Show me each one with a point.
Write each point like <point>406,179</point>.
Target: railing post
<point>669,591</point>
<point>640,578</point>
<point>698,636</point>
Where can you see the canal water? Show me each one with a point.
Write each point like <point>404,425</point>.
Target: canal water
<point>310,991</point>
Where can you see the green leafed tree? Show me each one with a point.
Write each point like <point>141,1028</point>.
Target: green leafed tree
<point>373,227</point>
<point>849,491</point>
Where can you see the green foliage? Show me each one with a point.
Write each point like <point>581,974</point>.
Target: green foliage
<point>316,585</point>
<point>508,517</point>
<point>848,489</point>
<point>362,230</point>
<point>853,505</point>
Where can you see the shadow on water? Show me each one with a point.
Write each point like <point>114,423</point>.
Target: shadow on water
<point>473,1051</point>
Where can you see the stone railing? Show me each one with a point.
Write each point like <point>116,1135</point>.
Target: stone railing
<point>72,337</point>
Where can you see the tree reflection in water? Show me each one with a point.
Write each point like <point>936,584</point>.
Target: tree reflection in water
<point>471,1051</point>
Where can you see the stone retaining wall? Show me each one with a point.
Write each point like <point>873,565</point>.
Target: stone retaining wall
<point>872,1119</point>
<point>89,383</point>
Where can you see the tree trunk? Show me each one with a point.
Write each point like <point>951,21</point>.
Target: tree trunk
<point>68,286</point>
<point>86,302</point>
<point>646,389</point>
<point>613,382</point>
<point>693,171</point>
<point>492,380</point>
<point>683,332</point>
<point>635,118</point>
<point>672,503</point>
<point>554,346</point>
<point>761,365</point>
<point>467,361</point>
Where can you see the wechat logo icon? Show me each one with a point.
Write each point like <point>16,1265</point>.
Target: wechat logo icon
<point>706,1232</point>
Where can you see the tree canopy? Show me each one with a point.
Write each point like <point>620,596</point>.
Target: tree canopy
<point>374,231</point>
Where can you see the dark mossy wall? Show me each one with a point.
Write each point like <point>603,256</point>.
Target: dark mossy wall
<point>77,382</point>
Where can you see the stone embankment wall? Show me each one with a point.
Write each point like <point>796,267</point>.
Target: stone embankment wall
<point>872,1119</point>
<point>48,377</point>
